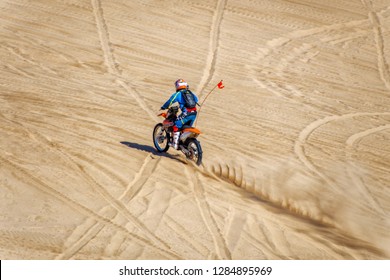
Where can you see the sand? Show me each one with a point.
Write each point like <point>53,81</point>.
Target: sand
<point>296,161</point>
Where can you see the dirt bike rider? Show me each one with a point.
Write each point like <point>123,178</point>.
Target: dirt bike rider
<point>187,102</point>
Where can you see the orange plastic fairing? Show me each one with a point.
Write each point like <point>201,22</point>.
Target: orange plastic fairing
<point>192,129</point>
<point>164,115</point>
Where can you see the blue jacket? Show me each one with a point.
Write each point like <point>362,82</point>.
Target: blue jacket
<point>177,97</point>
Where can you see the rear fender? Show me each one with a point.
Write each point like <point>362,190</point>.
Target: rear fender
<point>192,129</point>
<point>187,134</point>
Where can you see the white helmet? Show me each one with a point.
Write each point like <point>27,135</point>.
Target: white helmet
<point>181,84</point>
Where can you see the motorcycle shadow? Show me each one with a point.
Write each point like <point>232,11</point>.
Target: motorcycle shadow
<point>152,150</point>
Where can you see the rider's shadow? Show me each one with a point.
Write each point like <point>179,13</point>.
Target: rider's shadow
<point>150,149</point>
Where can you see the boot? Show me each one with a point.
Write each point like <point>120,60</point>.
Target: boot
<point>175,142</point>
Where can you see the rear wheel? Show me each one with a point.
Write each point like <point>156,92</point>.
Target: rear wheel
<point>160,138</point>
<point>195,151</point>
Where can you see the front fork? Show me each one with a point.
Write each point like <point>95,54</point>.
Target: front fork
<point>161,136</point>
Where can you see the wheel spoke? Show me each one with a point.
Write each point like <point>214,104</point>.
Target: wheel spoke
<point>160,138</point>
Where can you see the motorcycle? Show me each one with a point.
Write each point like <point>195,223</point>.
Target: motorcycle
<point>188,144</point>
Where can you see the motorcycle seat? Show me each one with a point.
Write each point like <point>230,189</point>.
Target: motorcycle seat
<point>185,126</point>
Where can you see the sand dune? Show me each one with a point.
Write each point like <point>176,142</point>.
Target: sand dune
<point>296,160</point>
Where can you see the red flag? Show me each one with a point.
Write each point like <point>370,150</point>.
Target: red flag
<point>220,85</point>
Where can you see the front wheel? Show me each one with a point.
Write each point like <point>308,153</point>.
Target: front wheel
<point>160,138</point>
<point>195,151</point>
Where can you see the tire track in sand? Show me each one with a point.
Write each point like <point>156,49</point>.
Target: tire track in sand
<point>114,203</point>
<point>220,245</point>
<point>146,171</point>
<point>109,58</point>
<point>265,54</point>
<point>209,70</point>
<point>42,186</point>
<point>383,65</point>
<point>114,70</point>
<point>351,142</point>
<point>187,236</point>
<point>233,176</point>
<point>338,237</point>
<point>235,222</point>
<point>113,67</point>
<point>304,135</point>
<point>23,56</point>
<point>90,228</point>
<point>42,243</point>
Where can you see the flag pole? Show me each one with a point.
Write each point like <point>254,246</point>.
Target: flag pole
<point>200,105</point>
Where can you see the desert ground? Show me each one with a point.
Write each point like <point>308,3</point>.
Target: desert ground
<point>296,146</point>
